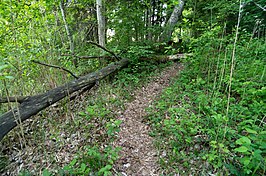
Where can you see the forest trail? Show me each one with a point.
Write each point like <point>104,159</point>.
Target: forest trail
<point>138,155</point>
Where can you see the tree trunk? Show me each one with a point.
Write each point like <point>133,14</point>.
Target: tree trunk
<point>33,104</point>
<point>101,22</point>
<point>172,21</point>
<point>69,35</point>
<point>149,35</point>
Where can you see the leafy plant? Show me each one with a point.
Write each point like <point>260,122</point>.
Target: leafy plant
<point>94,161</point>
<point>191,122</point>
<point>3,162</point>
<point>3,73</point>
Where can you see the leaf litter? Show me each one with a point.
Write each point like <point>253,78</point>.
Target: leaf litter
<point>138,155</point>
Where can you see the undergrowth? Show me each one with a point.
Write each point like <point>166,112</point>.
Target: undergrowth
<point>194,132</point>
<point>75,138</point>
<point>98,158</point>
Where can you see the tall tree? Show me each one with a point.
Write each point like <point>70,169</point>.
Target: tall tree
<point>172,21</point>
<point>69,35</point>
<point>101,22</point>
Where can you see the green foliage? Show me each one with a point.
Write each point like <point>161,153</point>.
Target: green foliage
<point>3,162</point>
<point>191,121</point>
<point>96,160</point>
<point>3,73</point>
<point>25,173</point>
<point>139,51</point>
<point>113,127</point>
<point>254,17</point>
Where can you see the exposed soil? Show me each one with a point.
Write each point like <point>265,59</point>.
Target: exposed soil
<point>138,154</point>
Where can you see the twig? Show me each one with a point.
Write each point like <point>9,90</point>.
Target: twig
<point>105,49</point>
<point>258,5</point>
<point>55,66</point>
<point>85,57</point>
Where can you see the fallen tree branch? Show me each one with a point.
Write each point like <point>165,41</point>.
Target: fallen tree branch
<point>105,49</point>
<point>165,58</point>
<point>87,57</point>
<point>12,99</point>
<point>55,66</point>
<point>34,104</point>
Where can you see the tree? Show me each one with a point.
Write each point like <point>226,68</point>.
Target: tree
<point>172,21</point>
<point>101,22</point>
<point>69,35</point>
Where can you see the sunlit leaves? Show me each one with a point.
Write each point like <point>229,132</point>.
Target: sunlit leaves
<point>4,73</point>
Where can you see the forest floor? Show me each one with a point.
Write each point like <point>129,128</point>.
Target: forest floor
<point>54,138</point>
<point>139,155</point>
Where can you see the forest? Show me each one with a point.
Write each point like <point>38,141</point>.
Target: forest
<point>133,87</point>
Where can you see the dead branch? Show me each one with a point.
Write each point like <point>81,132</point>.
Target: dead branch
<point>34,104</point>
<point>55,66</point>
<point>105,49</point>
<point>87,57</point>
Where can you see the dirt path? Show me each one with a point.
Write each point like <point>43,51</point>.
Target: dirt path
<point>138,155</point>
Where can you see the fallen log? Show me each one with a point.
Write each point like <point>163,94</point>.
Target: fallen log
<point>34,104</point>
<point>165,58</point>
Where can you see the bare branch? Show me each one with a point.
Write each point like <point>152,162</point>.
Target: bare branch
<point>86,57</point>
<point>105,49</point>
<point>263,8</point>
<point>55,66</point>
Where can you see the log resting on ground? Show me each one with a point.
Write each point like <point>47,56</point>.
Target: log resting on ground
<point>165,58</point>
<point>34,104</point>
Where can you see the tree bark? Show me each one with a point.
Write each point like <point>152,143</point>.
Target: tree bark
<point>172,21</point>
<point>101,22</point>
<point>33,104</point>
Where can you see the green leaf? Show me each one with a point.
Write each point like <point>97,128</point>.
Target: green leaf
<point>241,149</point>
<point>245,161</point>
<point>90,110</point>
<point>3,67</point>
<point>46,173</point>
<point>251,131</point>
<point>83,167</point>
<point>243,140</point>
<point>9,77</point>
<point>82,114</point>
<point>106,168</point>
<point>73,162</point>
<point>263,132</point>
<point>257,154</point>
<point>262,145</point>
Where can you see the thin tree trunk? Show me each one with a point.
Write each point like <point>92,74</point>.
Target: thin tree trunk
<point>101,22</point>
<point>172,21</point>
<point>69,35</point>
